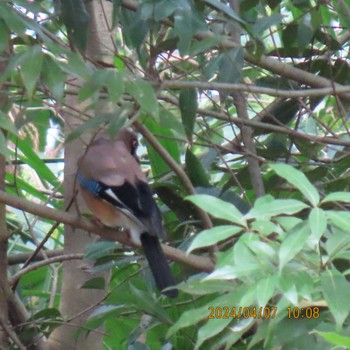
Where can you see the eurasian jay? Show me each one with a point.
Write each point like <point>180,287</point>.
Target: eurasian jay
<point>116,191</point>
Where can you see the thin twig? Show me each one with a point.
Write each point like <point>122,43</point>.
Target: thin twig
<point>206,222</point>
<point>21,258</point>
<point>12,335</point>
<point>254,89</point>
<point>43,263</point>
<point>247,138</point>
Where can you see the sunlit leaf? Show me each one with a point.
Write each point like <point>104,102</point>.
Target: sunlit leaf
<point>212,236</point>
<point>337,197</point>
<point>339,218</point>
<point>217,208</point>
<point>297,179</point>
<point>336,339</point>
<point>318,224</point>
<point>293,244</point>
<point>265,290</point>
<point>211,328</point>
<point>277,207</point>
<point>336,290</point>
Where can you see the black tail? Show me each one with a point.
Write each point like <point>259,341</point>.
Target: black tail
<point>158,264</point>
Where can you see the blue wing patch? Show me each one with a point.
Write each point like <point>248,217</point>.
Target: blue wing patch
<point>93,186</point>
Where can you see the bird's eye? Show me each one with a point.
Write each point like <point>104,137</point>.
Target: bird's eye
<point>134,147</point>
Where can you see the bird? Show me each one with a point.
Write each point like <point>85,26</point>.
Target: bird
<point>116,191</point>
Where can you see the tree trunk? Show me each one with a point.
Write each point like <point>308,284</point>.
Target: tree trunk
<point>4,287</point>
<point>74,300</point>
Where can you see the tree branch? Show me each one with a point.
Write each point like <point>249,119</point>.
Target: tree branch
<point>270,64</point>
<point>45,262</point>
<point>23,257</point>
<point>179,171</point>
<point>240,102</point>
<point>254,89</point>
<point>200,263</point>
<point>12,335</point>
<point>247,138</point>
<point>276,128</point>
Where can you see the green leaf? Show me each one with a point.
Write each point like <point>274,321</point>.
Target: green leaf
<point>305,31</point>
<point>197,286</point>
<point>99,249</point>
<point>105,311</point>
<point>95,283</point>
<point>196,315</point>
<point>340,219</point>
<point>205,44</point>
<point>210,329</point>
<point>264,227</point>
<point>212,236</point>
<point>13,21</point>
<point>25,187</point>
<point>143,92</point>
<point>31,158</point>
<point>188,318</point>
<point>53,77</point>
<point>31,64</point>
<point>188,107</point>
<point>338,244</point>
<point>318,224</point>
<point>115,85</point>
<point>288,287</point>
<point>4,36</point>
<point>293,244</point>
<point>337,197</point>
<point>77,19</point>
<point>282,111</point>
<point>297,179</point>
<point>231,65</point>
<point>195,171</point>
<point>46,314</point>
<point>3,144</point>
<point>336,290</point>
<point>217,208</point>
<point>288,222</point>
<point>75,66</point>
<point>92,123</point>
<point>164,9</point>
<point>335,339</point>
<point>265,289</point>
<point>187,22</point>
<point>148,304</point>
<point>7,124</point>
<point>159,166</point>
<point>231,272</point>
<point>276,207</point>
<point>135,28</point>
<point>265,23</point>
<point>227,10</point>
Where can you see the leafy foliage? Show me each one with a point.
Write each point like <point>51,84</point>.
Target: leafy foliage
<point>284,254</point>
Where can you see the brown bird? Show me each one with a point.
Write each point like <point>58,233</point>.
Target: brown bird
<point>117,193</point>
